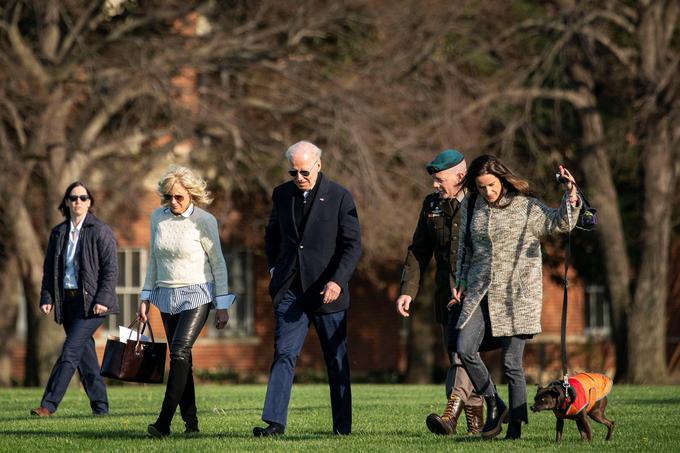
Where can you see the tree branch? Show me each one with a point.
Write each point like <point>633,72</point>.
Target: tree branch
<point>85,19</point>
<point>625,56</point>
<point>617,19</point>
<point>523,95</point>
<point>110,106</point>
<point>18,123</point>
<point>125,146</point>
<point>49,38</point>
<point>23,52</point>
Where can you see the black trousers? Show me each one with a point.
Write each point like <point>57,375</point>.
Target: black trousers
<point>181,331</point>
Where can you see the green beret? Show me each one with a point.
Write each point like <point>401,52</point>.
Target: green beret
<point>444,160</point>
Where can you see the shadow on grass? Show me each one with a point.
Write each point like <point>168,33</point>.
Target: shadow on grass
<point>649,401</point>
<point>128,434</point>
<point>216,411</point>
<point>122,434</point>
<point>60,416</point>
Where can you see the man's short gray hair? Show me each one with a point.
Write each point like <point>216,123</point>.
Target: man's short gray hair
<point>304,147</point>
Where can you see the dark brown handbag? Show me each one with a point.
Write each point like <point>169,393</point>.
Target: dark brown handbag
<point>135,361</point>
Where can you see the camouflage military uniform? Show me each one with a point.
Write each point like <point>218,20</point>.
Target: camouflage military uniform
<point>436,234</point>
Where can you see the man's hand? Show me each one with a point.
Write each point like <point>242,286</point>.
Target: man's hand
<point>330,292</point>
<point>403,304</point>
<point>143,311</point>
<point>458,296</point>
<point>46,309</point>
<point>221,318</point>
<point>99,309</point>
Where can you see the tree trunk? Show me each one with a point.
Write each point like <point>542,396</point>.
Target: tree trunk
<point>420,338</point>
<point>647,331</point>
<point>43,337</point>
<point>602,193</point>
<point>9,288</point>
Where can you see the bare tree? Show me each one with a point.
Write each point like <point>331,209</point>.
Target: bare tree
<point>565,66</point>
<point>102,88</point>
<point>99,85</point>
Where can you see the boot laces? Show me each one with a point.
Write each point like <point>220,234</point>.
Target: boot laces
<point>448,412</point>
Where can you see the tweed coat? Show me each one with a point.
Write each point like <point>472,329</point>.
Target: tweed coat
<point>505,261</point>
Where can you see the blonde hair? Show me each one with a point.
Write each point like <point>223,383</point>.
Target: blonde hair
<point>194,184</point>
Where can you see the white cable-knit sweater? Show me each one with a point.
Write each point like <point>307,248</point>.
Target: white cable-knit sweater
<point>185,250</point>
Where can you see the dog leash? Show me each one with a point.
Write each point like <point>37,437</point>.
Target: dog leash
<point>587,222</point>
<point>565,299</point>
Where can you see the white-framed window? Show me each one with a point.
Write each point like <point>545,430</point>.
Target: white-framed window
<point>240,268</point>
<point>131,273</point>
<point>596,311</point>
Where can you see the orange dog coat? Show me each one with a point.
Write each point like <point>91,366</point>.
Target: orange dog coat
<point>589,388</point>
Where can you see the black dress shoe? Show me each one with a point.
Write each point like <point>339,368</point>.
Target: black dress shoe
<point>191,430</point>
<point>157,432</point>
<point>274,429</point>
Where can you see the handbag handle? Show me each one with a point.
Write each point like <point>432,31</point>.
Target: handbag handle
<point>143,328</point>
<point>139,335</point>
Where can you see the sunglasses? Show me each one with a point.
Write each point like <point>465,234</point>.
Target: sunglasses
<point>304,173</point>
<point>178,198</point>
<point>73,198</point>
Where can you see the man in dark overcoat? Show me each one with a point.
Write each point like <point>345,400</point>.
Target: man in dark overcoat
<point>312,243</point>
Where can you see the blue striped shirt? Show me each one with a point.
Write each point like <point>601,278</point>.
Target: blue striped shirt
<point>176,300</point>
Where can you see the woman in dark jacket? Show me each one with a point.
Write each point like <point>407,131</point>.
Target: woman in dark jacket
<point>79,284</point>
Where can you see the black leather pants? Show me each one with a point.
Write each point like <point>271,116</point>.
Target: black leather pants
<point>181,331</point>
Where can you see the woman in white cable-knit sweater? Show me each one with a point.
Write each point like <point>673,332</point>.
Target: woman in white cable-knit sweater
<point>186,276</point>
<point>499,278</point>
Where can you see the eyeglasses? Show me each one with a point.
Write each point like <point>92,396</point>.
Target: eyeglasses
<point>73,198</point>
<point>178,198</point>
<point>304,173</point>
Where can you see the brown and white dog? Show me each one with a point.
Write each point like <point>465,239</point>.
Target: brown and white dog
<point>585,395</point>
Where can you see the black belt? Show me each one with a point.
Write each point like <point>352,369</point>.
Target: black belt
<point>72,293</point>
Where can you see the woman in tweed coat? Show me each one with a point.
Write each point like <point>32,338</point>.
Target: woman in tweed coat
<point>500,281</point>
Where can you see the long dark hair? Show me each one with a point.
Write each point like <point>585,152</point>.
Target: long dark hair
<point>486,164</point>
<point>63,208</point>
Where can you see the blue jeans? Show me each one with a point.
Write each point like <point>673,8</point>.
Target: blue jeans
<point>292,324</point>
<point>512,352</point>
<point>79,354</point>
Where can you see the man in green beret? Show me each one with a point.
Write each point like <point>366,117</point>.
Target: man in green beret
<point>437,234</point>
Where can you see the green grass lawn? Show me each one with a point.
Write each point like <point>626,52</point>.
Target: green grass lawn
<point>386,418</point>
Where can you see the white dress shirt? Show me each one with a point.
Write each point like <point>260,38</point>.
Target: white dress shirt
<point>70,277</point>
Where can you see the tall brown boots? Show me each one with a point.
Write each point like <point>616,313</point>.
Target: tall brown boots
<point>447,423</point>
<point>475,418</point>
